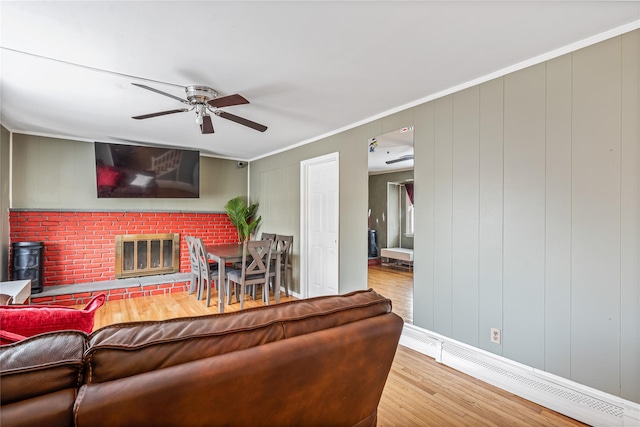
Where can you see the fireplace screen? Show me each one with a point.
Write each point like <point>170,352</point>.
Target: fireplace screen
<point>147,254</point>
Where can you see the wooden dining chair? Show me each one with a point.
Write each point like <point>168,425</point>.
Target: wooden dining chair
<point>194,284</point>
<point>284,244</point>
<point>268,236</point>
<point>208,272</point>
<point>255,269</point>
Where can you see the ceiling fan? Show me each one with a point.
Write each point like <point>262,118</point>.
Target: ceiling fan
<point>400,159</point>
<point>204,100</point>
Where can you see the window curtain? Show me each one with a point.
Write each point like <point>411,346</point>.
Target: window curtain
<point>409,187</point>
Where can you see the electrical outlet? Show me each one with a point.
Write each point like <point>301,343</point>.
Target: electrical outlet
<point>495,335</point>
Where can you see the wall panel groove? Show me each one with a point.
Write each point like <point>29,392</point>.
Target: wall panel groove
<point>596,216</point>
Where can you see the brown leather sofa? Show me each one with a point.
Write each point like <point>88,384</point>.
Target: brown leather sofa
<point>316,362</point>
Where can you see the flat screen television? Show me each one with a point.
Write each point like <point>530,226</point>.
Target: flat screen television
<point>147,172</point>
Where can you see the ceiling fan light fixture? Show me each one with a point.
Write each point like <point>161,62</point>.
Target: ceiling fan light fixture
<point>200,112</point>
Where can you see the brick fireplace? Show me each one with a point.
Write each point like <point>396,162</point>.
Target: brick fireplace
<point>79,246</point>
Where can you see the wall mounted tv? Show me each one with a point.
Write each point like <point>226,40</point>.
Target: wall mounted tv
<point>147,172</point>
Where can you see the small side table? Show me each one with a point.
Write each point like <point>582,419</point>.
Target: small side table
<point>20,290</point>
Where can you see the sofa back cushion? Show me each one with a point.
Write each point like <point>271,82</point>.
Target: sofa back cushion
<point>331,377</point>
<point>127,349</point>
<point>28,320</point>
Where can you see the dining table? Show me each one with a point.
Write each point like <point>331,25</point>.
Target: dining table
<point>226,253</point>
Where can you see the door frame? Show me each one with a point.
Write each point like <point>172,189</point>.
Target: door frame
<point>393,189</point>
<point>305,165</point>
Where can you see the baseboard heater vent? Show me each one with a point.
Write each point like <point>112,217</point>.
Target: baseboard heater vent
<point>421,342</point>
<point>559,394</point>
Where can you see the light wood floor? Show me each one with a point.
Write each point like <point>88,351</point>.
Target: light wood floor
<point>159,307</point>
<point>419,391</point>
<point>397,285</point>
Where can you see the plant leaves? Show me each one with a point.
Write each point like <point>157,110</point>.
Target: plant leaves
<point>241,216</point>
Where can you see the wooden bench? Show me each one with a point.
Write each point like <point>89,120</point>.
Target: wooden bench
<point>403,257</point>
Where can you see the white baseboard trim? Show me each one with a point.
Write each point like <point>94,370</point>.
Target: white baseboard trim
<point>569,398</point>
<point>296,295</point>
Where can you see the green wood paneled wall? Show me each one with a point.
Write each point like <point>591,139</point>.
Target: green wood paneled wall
<point>527,213</point>
<point>50,173</point>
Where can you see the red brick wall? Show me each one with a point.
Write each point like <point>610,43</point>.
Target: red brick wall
<point>79,247</point>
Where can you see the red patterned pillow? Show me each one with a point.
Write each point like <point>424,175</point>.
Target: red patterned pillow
<point>29,320</point>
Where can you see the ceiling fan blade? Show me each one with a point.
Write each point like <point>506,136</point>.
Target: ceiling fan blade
<point>161,113</point>
<point>227,101</point>
<point>161,92</point>
<point>241,120</point>
<point>400,159</point>
<point>207,125</point>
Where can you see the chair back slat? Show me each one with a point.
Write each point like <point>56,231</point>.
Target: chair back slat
<point>202,259</point>
<point>269,236</point>
<point>193,257</point>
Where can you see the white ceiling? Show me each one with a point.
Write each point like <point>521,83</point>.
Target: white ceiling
<point>308,68</point>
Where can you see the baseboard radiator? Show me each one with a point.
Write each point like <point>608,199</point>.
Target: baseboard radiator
<point>574,400</point>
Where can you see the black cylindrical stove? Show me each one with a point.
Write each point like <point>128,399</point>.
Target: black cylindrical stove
<point>373,244</point>
<point>28,263</point>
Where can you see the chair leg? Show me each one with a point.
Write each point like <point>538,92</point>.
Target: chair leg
<point>192,285</point>
<point>286,282</point>
<point>199,289</point>
<point>242,290</point>
<point>209,286</point>
<point>264,292</point>
<point>229,282</point>
<point>208,291</point>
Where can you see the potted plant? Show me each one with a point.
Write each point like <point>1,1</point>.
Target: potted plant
<point>242,217</point>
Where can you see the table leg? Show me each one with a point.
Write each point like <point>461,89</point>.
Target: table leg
<point>265,291</point>
<point>221,286</point>
<point>276,287</point>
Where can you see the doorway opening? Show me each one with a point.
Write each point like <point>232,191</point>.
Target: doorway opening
<point>391,218</point>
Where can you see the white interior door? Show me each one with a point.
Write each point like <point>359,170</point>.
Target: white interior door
<point>319,234</point>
